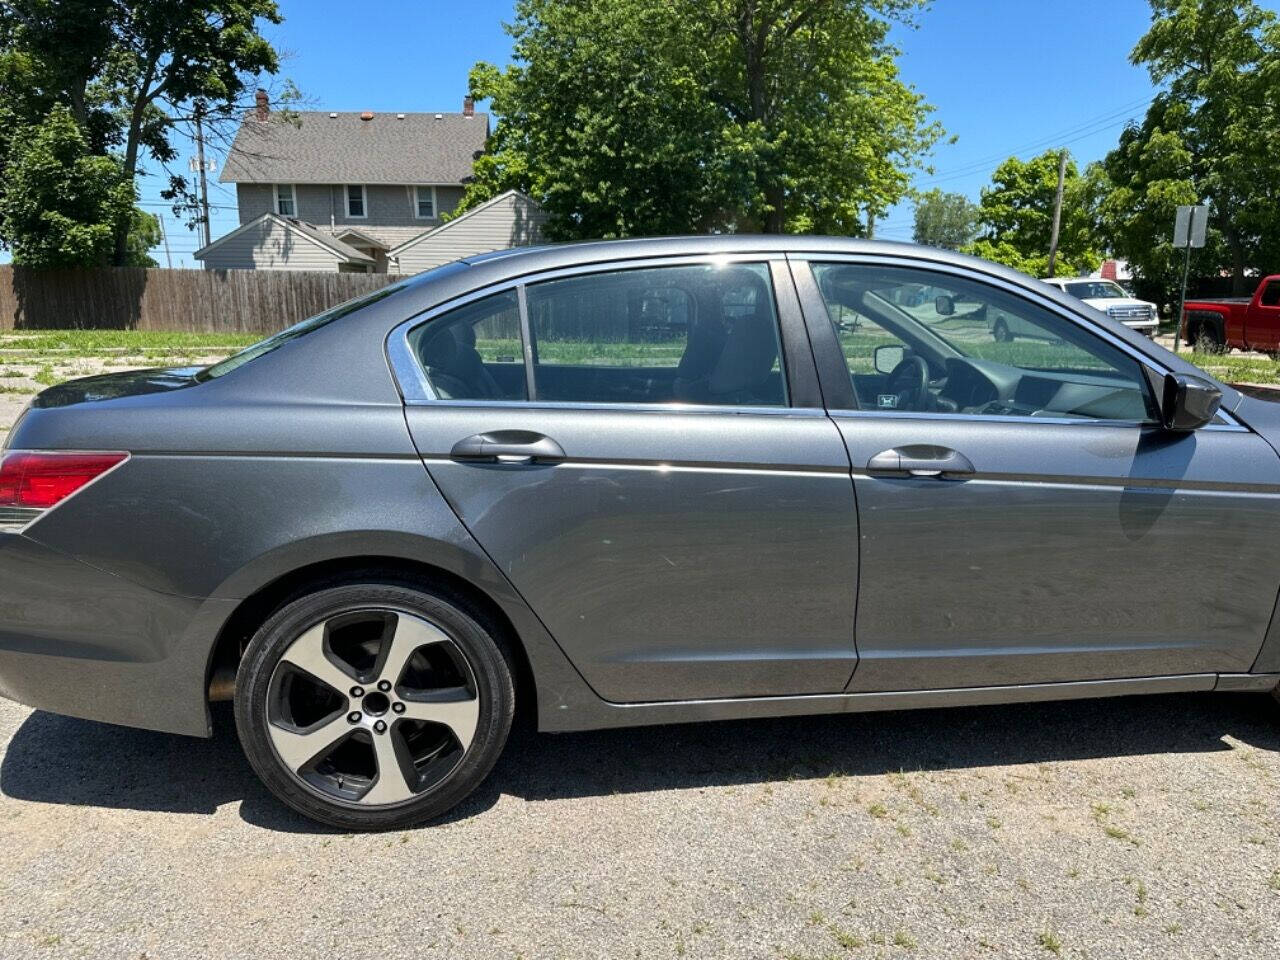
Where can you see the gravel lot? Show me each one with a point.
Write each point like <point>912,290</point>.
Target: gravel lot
<point>1123,828</point>
<point>1146,827</point>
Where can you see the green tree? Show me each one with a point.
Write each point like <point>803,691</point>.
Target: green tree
<point>1211,135</point>
<point>946,220</point>
<point>61,201</point>
<point>1016,214</point>
<point>629,117</point>
<point>135,72</point>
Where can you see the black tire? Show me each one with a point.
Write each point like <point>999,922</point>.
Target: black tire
<point>1000,330</point>
<point>1205,334</point>
<point>486,669</point>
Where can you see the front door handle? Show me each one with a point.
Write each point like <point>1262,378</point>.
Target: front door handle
<point>920,460</point>
<point>507,446</point>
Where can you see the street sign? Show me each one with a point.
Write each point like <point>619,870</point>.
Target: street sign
<point>1190,226</point>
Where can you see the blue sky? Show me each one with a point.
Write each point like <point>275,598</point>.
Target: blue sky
<point>1006,76</point>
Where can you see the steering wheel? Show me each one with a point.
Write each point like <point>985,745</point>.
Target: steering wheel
<point>909,381</point>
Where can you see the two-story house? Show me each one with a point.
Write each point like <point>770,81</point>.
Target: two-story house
<point>361,192</point>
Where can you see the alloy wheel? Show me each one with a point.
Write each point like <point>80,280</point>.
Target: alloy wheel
<point>372,706</point>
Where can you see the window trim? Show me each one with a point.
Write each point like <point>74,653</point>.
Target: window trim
<point>417,195</point>
<point>293,199</point>
<point>364,201</point>
<point>416,390</point>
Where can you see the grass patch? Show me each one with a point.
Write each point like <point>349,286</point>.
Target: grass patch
<point>92,342</point>
<point>1236,369</point>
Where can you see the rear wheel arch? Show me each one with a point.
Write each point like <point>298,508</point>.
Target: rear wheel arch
<point>254,610</point>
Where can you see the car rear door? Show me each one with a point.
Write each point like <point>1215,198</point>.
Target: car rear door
<point>1043,530</point>
<point>655,476</point>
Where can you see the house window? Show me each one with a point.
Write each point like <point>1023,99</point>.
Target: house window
<point>286,200</point>
<point>356,206</point>
<point>425,203</point>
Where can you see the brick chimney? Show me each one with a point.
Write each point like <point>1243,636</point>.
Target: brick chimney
<point>262,106</point>
<point>468,107</point>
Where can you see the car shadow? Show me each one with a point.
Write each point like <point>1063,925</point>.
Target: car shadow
<point>60,760</point>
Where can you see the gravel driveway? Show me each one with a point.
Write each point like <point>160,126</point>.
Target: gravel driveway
<point>1143,827</point>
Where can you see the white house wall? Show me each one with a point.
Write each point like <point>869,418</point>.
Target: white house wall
<point>513,222</point>
<point>269,246</point>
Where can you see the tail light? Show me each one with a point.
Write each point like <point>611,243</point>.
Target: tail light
<point>34,482</point>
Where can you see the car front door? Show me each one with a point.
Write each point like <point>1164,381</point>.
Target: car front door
<point>648,462</point>
<point>1023,519</point>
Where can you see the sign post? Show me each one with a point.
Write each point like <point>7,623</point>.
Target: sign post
<point>1190,227</point>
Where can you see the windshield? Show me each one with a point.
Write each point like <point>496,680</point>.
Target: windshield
<point>1096,290</point>
<point>310,325</point>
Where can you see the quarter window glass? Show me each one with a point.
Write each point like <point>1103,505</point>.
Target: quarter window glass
<point>922,342</point>
<point>687,334</point>
<point>474,352</point>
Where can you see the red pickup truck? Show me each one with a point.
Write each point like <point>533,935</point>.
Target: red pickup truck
<point>1248,323</point>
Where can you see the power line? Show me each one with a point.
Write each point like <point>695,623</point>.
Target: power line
<point>1072,134</point>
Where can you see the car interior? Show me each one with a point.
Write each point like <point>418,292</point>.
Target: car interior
<point>693,335</point>
<point>1064,373</point>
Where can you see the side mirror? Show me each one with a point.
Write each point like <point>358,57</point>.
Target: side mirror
<point>887,357</point>
<point>1187,402</point>
<point>946,306</point>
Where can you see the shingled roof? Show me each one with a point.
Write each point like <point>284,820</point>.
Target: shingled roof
<point>319,147</point>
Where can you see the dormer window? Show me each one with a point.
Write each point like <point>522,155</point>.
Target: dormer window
<point>286,200</point>
<point>425,203</point>
<point>356,205</point>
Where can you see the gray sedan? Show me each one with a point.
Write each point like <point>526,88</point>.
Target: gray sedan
<point>629,483</point>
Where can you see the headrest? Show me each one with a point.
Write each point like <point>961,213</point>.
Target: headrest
<point>441,349</point>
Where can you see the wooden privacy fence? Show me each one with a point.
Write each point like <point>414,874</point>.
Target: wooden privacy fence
<point>208,301</point>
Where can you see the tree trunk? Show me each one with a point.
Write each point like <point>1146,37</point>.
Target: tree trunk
<point>142,99</point>
<point>120,252</point>
<point>1239,287</point>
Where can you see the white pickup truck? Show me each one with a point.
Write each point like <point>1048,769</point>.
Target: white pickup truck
<point>1109,297</point>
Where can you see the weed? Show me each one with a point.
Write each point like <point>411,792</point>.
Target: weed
<point>1050,941</point>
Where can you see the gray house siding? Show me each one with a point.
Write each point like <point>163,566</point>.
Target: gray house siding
<point>511,221</point>
<point>323,204</point>
<point>269,246</point>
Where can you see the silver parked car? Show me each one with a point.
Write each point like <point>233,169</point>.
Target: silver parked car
<point>629,483</point>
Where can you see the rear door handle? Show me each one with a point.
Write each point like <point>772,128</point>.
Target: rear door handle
<point>507,446</point>
<point>920,460</point>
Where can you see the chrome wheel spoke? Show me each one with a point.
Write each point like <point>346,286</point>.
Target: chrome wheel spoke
<point>410,634</point>
<point>393,783</point>
<point>307,654</point>
<point>298,748</point>
<point>455,708</point>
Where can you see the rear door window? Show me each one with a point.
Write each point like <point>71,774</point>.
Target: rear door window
<point>696,334</point>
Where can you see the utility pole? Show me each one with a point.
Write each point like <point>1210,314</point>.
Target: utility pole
<point>164,235</point>
<point>204,183</point>
<point>871,225</point>
<point>1057,213</point>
